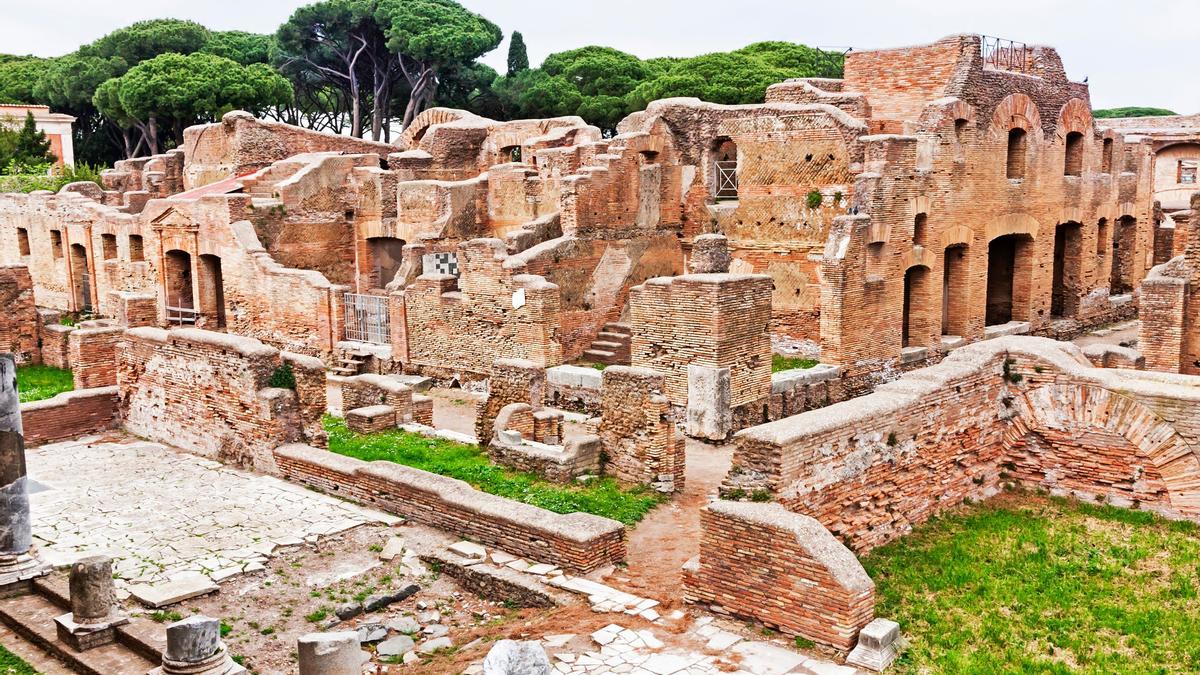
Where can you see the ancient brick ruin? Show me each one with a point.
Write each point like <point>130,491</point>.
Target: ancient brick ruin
<point>929,230</point>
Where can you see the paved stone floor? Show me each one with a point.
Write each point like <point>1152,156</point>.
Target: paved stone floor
<point>164,514</point>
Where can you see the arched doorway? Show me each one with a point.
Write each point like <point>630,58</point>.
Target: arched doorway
<point>212,292</point>
<point>956,286</point>
<point>177,280</point>
<point>917,322</point>
<point>1124,246</point>
<point>1010,265</point>
<point>387,254</point>
<point>1067,280</point>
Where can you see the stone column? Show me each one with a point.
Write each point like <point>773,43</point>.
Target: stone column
<point>194,647</point>
<point>93,616</point>
<point>17,563</point>
<point>331,654</point>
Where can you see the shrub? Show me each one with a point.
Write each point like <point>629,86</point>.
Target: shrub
<point>283,377</point>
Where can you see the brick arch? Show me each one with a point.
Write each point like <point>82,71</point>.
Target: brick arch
<point>1013,223</point>
<point>918,256</point>
<point>957,235</point>
<point>410,139</point>
<point>1016,111</point>
<point>918,205</point>
<point>1071,214</point>
<point>1068,407</point>
<point>1127,209</point>
<point>960,110</point>
<point>1075,115</point>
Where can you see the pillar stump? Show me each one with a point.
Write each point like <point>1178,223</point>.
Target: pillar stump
<point>194,647</point>
<point>18,564</point>
<point>94,613</point>
<point>331,654</point>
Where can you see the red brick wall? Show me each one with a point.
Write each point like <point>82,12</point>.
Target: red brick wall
<point>70,414</point>
<point>93,355</point>
<point>19,318</point>
<point>578,542</point>
<point>56,346</point>
<point>784,569</point>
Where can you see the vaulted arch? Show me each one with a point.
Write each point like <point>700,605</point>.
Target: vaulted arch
<point>1016,111</point>
<point>1082,420</point>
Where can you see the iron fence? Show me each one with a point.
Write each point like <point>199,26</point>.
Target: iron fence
<point>367,319</point>
<point>1004,54</point>
<point>727,179</point>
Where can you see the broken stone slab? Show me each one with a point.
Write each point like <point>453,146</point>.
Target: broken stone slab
<point>166,593</point>
<point>435,630</point>
<point>331,654</point>
<point>876,648</point>
<point>433,616</point>
<point>405,624</point>
<point>435,645</point>
<point>469,549</point>
<point>372,632</point>
<point>393,548</point>
<point>709,413</point>
<point>512,657</point>
<point>397,646</point>
<point>378,601</point>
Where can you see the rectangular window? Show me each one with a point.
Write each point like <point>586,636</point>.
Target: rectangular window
<point>56,243</point>
<point>136,254</point>
<point>108,246</point>
<point>23,241</point>
<point>1187,171</point>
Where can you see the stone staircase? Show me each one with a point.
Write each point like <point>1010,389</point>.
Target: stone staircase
<point>611,346</point>
<point>350,363</point>
<point>30,618</point>
<point>262,186</point>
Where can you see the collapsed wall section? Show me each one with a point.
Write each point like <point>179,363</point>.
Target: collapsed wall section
<point>19,322</point>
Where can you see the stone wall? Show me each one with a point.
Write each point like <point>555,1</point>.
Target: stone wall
<point>637,429</point>
<point>1169,332</point>
<point>56,346</point>
<point>578,542</point>
<point>69,415</point>
<point>208,393</point>
<point>762,562</point>
<point>1014,409</point>
<point>19,319</point>
<point>511,381</point>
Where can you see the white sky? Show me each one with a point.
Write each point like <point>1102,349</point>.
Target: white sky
<point>1134,52</point>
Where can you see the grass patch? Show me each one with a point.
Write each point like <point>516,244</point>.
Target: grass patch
<point>780,363</point>
<point>11,664</point>
<point>37,382</point>
<point>602,496</point>
<point>1024,583</point>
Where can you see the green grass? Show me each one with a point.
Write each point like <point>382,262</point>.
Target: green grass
<point>35,382</point>
<point>780,363</point>
<point>11,664</point>
<point>1030,584</point>
<point>602,497</point>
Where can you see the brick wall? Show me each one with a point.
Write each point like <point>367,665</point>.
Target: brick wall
<point>713,320</point>
<point>511,381</point>
<point>784,569</point>
<point>56,350</point>
<point>70,414</point>
<point>1018,409</point>
<point>19,320</point>
<point>637,429</point>
<point>207,393</point>
<point>1169,331</point>
<point>578,542</point>
<point>93,355</point>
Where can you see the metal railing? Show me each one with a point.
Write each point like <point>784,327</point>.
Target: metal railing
<point>85,283</point>
<point>1002,54</point>
<point>727,180</point>
<point>182,316</point>
<point>367,319</point>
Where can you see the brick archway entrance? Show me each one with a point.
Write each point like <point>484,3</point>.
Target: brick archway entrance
<point>1100,437</point>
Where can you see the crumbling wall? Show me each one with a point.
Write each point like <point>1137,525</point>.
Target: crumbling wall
<point>510,381</point>
<point>19,320</point>
<point>208,393</point>
<point>1169,331</point>
<point>1014,409</point>
<point>93,355</point>
<point>71,414</point>
<point>784,569</point>
<point>637,429</point>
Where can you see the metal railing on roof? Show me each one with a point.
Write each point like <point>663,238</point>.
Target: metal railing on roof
<point>1002,54</point>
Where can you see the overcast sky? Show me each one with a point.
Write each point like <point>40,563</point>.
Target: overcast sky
<point>1134,52</point>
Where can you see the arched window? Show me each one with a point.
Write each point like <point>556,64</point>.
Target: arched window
<point>960,129</point>
<point>1073,161</point>
<point>1016,153</point>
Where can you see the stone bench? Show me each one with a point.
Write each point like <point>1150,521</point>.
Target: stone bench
<point>371,419</point>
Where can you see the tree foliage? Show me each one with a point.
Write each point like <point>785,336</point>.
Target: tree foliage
<point>1131,111</point>
<point>245,48</point>
<point>18,77</point>
<point>518,56</point>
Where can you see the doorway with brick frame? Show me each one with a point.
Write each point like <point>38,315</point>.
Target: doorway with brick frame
<point>956,287</point>
<point>1067,279</point>
<point>1010,268</point>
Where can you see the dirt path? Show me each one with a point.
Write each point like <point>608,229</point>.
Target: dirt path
<point>1119,334</point>
<point>670,535</point>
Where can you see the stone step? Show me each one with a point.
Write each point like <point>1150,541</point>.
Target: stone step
<point>614,337</point>
<point>32,618</point>
<point>622,328</point>
<point>606,346</point>
<point>354,360</point>
<point>339,370</point>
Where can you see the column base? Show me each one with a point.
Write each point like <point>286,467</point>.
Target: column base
<point>17,571</point>
<point>83,637</point>
<point>217,664</point>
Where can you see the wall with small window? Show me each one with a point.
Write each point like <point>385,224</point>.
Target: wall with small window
<point>1176,170</point>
